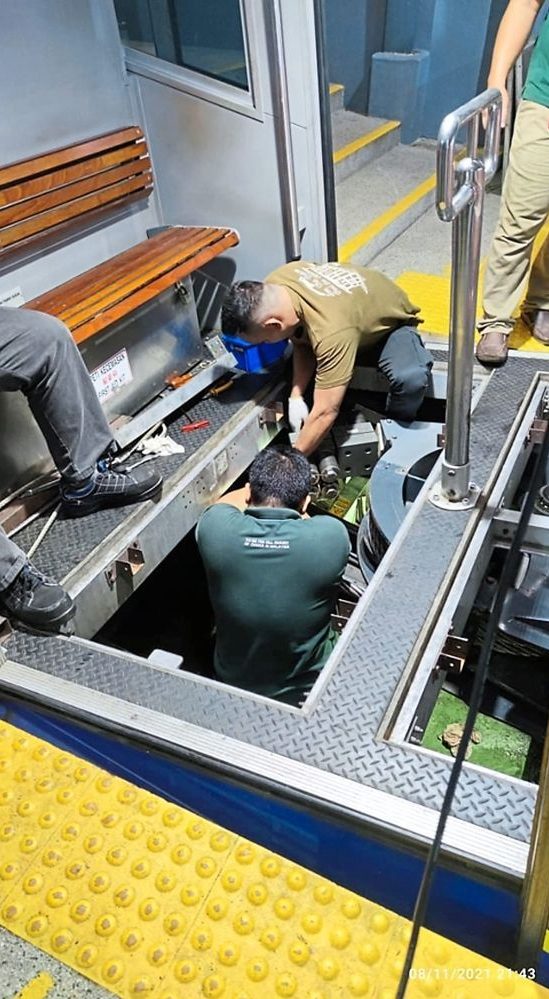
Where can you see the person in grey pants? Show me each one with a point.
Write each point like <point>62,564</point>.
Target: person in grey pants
<point>39,357</point>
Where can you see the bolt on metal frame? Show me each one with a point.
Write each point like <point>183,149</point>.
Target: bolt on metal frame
<point>460,200</point>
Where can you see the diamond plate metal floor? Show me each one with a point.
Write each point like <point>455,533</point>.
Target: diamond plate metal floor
<point>338,733</point>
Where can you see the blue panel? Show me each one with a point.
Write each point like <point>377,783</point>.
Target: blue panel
<point>477,915</point>
<point>398,89</point>
<point>354,31</point>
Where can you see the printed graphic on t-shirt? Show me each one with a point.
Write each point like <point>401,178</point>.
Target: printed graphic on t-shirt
<point>330,280</point>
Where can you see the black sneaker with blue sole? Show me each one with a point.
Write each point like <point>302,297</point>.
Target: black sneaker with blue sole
<point>112,485</point>
<point>36,601</point>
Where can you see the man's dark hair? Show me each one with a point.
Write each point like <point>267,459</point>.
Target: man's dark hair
<point>280,477</point>
<point>240,305</point>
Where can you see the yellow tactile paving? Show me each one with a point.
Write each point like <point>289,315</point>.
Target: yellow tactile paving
<point>432,293</point>
<point>147,899</point>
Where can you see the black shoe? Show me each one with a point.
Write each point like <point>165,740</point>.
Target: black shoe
<point>111,486</point>
<point>37,601</point>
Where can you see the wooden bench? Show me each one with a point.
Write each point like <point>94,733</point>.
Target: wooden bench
<point>51,195</point>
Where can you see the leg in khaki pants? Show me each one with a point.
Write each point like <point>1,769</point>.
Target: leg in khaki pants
<point>524,208</point>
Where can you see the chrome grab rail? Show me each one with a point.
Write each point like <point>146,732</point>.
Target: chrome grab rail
<point>460,200</point>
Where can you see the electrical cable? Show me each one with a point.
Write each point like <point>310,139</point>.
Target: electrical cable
<point>507,578</point>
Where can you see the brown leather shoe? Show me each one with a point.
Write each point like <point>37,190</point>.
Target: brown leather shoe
<point>492,347</point>
<point>540,327</point>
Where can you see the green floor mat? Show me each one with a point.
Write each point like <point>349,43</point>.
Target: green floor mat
<point>501,747</point>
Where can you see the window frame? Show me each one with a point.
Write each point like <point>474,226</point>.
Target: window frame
<point>202,85</point>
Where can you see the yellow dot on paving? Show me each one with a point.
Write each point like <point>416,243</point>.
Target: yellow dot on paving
<point>231,880</point>
<point>213,986</point>
<point>228,954</point>
<point>311,922</point>
<point>257,894</point>
<point>351,908</point>
<point>270,867</point>
<point>86,956</point>
<point>112,971</point>
<point>379,922</point>
<point>185,971</point>
<point>220,841</point>
<point>201,939</point>
<point>284,908</point>
<point>339,937</point>
<point>257,969</point>
<point>359,984</point>
<point>271,937</point>
<point>323,893</point>
<point>206,867</point>
<point>299,953</point>
<point>243,923</point>
<point>131,939</point>
<point>296,879</point>
<point>37,925</point>
<point>328,968</point>
<point>216,908</point>
<point>286,984</point>
<point>158,955</point>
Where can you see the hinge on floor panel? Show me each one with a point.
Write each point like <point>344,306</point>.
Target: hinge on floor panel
<point>127,565</point>
<point>453,655</point>
<point>537,431</point>
<point>271,414</point>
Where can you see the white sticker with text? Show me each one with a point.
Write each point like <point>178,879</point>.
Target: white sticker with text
<point>112,375</point>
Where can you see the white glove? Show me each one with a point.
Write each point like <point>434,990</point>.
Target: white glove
<point>298,412</point>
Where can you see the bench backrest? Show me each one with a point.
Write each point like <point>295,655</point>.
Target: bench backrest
<point>53,192</point>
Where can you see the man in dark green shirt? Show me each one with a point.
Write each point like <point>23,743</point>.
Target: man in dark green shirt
<point>272,575</point>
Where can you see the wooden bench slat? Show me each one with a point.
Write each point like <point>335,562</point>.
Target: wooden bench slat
<point>22,231</point>
<point>105,290</point>
<point>67,299</point>
<point>136,277</point>
<point>118,301</point>
<point>28,168</point>
<point>71,192</point>
<point>154,288</point>
<point>136,151</point>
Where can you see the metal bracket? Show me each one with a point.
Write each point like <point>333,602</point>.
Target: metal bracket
<point>441,437</point>
<point>126,566</point>
<point>453,655</point>
<point>536,432</point>
<point>437,498</point>
<point>272,414</point>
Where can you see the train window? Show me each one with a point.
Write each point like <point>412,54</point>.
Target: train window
<point>207,37</point>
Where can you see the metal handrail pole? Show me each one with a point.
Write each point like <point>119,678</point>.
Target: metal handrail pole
<point>466,233</point>
<point>460,200</point>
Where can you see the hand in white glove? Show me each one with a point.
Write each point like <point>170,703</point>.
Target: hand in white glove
<point>298,412</point>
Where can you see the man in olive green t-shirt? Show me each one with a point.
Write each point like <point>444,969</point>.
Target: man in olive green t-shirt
<point>333,313</point>
<point>525,197</point>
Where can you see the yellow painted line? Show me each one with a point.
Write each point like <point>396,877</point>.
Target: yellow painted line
<point>353,245</point>
<point>365,140</point>
<point>335,88</point>
<point>546,942</point>
<point>38,988</point>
